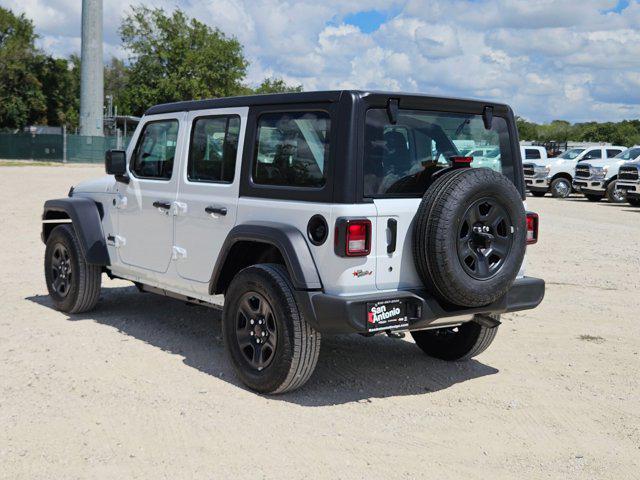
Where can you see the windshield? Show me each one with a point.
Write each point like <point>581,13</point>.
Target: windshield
<point>571,154</point>
<point>400,159</point>
<point>630,154</point>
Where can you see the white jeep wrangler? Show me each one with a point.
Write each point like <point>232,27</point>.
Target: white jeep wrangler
<point>313,213</point>
<point>555,175</point>
<point>598,179</point>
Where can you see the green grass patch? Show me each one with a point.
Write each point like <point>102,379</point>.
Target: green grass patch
<point>27,163</point>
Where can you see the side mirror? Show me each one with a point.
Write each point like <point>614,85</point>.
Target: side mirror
<point>115,163</point>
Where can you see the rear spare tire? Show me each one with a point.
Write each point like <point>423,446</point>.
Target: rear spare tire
<point>469,237</point>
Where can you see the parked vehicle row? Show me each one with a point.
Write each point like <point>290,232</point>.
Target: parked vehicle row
<point>556,175</point>
<point>609,172</point>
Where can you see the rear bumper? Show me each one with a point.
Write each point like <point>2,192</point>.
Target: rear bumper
<point>339,314</point>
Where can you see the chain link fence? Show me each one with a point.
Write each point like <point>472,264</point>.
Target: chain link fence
<point>58,148</point>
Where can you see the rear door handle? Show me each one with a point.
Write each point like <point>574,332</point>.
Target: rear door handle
<point>216,210</point>
<point>162,205</point>
<point>392,225</point>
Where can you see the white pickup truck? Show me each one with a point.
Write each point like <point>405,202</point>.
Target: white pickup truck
<point>555,175</point>
<point>629,181</point>
<point>599,178</point>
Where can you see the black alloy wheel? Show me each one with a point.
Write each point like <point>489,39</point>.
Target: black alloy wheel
<point>61,270</point>
<point>485,238</point>
<point>256,332</point>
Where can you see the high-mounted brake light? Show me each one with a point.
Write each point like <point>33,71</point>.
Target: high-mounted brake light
<point>533,222</point>
<point>461,161</point>
<point>353,237</point>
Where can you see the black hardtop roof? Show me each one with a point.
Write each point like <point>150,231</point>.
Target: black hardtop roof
<point>298,97</point>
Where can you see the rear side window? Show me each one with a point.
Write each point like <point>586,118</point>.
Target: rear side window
<point>154,155</point>
<point>292,149</point>
<point>612,152</point>
<point>401,159</point>
<point>213,149</point>
<point>532,154</point>
<point>591,154</point>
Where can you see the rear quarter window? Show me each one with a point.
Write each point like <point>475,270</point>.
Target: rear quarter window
<point>292,149</point>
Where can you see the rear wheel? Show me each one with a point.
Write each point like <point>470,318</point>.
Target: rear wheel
<point>560,188</point>
<point>593,198</point>
<point>615,195</point>
<point>271,346</point>
<point>73,284</point>
<point>538,193</point>
<point>455,343</point>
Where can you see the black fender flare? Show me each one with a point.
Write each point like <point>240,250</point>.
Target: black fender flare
<point>287,239</point>
<point>87,223</point>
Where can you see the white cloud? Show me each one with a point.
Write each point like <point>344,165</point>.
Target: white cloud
<point>572,59</point>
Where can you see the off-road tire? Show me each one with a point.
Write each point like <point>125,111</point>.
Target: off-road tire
<point>593,198</point>
<point>553,188</point>
<point>297,345</point>
<point>470,340</point>
<point>610,194</point>
<point>84,280</point>
<point>538,193</point>
<point>436,229</point>
<point>634,202</point>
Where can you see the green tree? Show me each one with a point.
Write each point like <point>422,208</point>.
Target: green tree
<point>21,98</point>
<point>60,83</point>
<point>175,58</point>
<point>116,78</point>
<point>276,85</point>
<point>526,130</point>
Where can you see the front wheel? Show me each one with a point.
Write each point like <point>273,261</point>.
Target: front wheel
<point>634,202</point>
<point>73,284</point>
<point>455,343</point>
<point>614,194</point>
<point>560,188</point>
<point>271,346</point>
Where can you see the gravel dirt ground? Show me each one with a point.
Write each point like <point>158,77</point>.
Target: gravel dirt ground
<point>140,387</point>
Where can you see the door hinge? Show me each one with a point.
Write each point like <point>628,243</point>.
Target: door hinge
<point>120,201</point>
<point>177,253</point>
<point>116,241</point>
<point>179,208</point>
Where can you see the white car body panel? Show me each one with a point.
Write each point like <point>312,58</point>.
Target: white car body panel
<point>149,236</point>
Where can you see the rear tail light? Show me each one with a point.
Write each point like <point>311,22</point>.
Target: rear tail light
<point>353,237</point>
<point>533,221</point>
<point>461,161</point>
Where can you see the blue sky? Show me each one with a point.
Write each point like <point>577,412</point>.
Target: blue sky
<point>369,20</point>
<point>577,60</point>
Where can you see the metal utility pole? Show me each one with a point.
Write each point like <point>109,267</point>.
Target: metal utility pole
<point>91,70</point>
